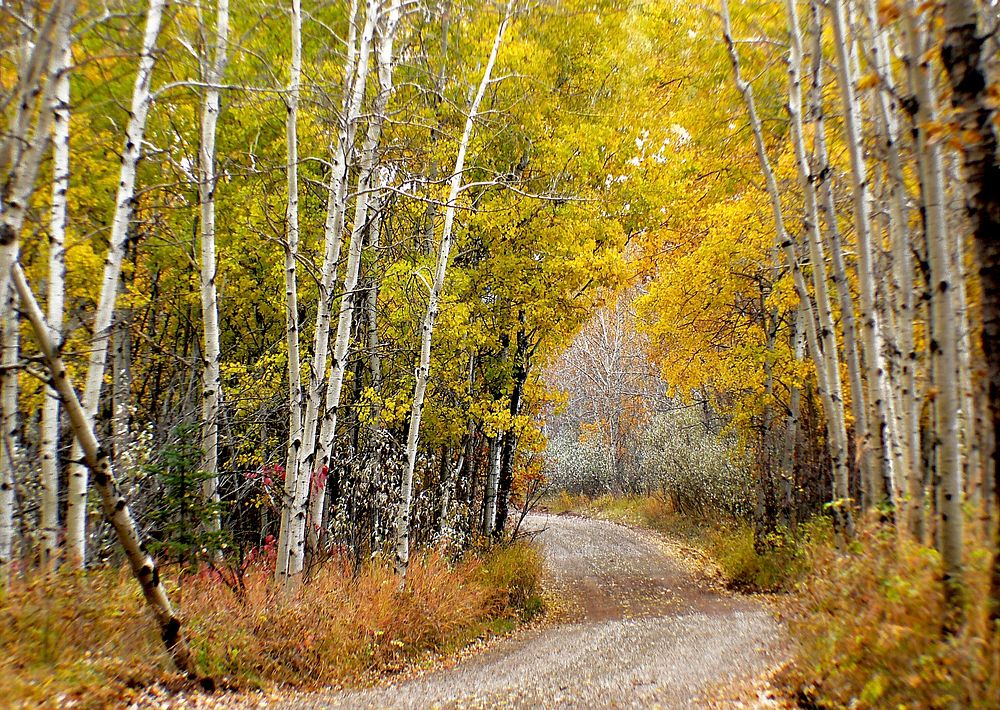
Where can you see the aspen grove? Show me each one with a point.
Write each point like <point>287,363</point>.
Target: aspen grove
<point>295,284</point>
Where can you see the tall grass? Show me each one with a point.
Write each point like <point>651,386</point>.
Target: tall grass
<point>867,625</point>
<point>86,637</point>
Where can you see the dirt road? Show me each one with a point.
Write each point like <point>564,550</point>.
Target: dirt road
<point>646,631</point>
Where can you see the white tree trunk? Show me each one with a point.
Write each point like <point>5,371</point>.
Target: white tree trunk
<point>285,562</point>
<point>492,483</point>
<point>49,444</point>
<point>838,437</point>
<point>76,505</point>
<point>336,207</point>
<point>96,459</point>
<point>365,187</point>
<point>827,335</point>
<point>852,355</point>
<point>212,72</point>
<point>871,329</point>
<point>21,146</point>
<point>8,435</point>
<point>356,78</point>
<point>901,382</point>
<point>437,287</point>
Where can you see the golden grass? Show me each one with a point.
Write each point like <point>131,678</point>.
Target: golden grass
<point>87,637</point>
<point>867,624</point>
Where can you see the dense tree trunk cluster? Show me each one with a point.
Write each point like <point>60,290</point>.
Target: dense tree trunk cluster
<point>908,337</point>
<point>280,341</point>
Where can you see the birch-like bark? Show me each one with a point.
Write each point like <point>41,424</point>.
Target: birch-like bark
<point>54,302</point>
<point>831,233</point>
<point>433,301</point>
<point>24,144</point>
<point>95,457</point>
<point>76,504</point>
<point>366,186</point>
<point>286,565</point>
<point>827,335</point>
<point>901,358</point>
<point>871,329</point>
<point>8,434</point>
<point>966,64</point>
<point>838,436</point>
<point>492,483</point>
<point>336,207</point>
<point>212,71</point>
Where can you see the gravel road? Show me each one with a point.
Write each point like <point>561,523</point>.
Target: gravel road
<point>645,630</point>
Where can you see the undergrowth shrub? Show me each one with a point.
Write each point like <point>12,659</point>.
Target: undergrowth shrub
<point>87,637</point>
<point>868,627</point>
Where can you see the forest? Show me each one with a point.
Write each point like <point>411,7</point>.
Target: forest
<point>324,322</point>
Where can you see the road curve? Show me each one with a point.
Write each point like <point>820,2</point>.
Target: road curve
<point>646,631</point>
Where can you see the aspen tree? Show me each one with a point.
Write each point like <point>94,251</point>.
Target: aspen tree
<point>838,439</point>
<point>899,318</point>
<point>320,452</point>
<point>365,187</point>
<point>832,237</point>
<point>943,337</point>
<point>96,459</point>
<point>827,335</point>
<point>24,143</point>
<point>871,328</point>
<point>9,424</point>
<point>54,302</point>
<point>76,505</point>
<point>212,69</point>
<point>333,238</point>
<point>433,301</point>
<point>285,565</point>
<point>965,62</point>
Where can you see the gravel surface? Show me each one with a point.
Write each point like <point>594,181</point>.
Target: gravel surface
<point>645,630</point>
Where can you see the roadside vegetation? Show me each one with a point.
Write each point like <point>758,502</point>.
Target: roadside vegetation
<point>863,619</point>
<point>65,642</point>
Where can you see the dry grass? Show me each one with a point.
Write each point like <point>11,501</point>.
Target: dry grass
<point>86,637</point>
<point>868,628</point>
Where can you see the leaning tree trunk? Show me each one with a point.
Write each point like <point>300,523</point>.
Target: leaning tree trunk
<point>96,459</point>
<point>76,504</point>
<point>437,287</point>
<point>211,396</point>
<point>965,61</point>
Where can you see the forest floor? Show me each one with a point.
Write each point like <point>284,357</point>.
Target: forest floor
<point>644,625</point>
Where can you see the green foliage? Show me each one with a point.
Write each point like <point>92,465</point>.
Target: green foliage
<point>181,516</point>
